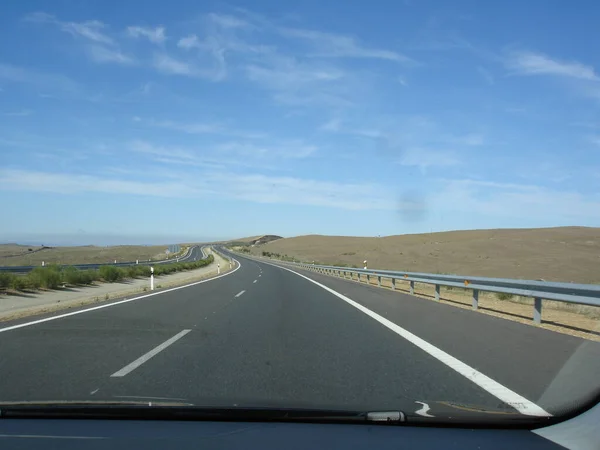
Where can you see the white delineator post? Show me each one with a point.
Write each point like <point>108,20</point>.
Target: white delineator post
<point>218,268</point>
<point>137,261</point>
<point>151,278</point>
<point>365,263</point>
<point>43,263</point>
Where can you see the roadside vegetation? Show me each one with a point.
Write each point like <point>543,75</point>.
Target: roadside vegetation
<point>53,276</point>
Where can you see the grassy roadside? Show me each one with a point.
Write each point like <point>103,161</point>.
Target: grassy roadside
<point>53,277</point>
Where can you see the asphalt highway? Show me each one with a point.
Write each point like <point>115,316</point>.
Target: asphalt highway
<point>265,335</point>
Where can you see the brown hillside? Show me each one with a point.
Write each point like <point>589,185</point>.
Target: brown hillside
<point>560,254</point>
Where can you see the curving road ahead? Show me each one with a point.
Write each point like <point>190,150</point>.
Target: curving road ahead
<point>266,335</point>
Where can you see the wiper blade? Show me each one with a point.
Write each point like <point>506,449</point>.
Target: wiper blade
<point>160,411</point>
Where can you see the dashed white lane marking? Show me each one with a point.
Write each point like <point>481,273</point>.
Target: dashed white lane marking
<point>254,281</point>
<point>501,392</point>
<point>239,293</point>
<point>423,411</point>
<point>94,391</point>
<point>155,351</point>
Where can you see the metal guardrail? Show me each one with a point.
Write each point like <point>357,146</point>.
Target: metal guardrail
<point>582,294</point>
<point>182,258</point>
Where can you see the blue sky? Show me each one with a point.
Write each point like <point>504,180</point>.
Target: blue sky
<point>181,120</point>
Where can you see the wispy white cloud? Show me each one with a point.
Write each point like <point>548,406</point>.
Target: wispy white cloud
<point>22,113</point>
<point>402,81</point>
<point>98,45</point>
<point>340,46</point>
<point>200,128</point>
<point>497,199</point>
<point>169,65</point>
<point>155,35</point>
<point>187,127</point>
<point>102,54</point>
<point>532,63</point>
<point>255,188</point>
<point>471,139</point>
<point>174,155</point>
<point>66,183</point>
<point>293,149</point>
<point>89,29</point>
<point>166,64</point>
<point>423,158</point>
<point>228,21</point>
<point>594,140</point>
<point>17,74</point>
<point>331,125</point>
<point>188,42</point>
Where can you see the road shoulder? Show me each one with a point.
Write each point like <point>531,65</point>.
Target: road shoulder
<point>30,304</point>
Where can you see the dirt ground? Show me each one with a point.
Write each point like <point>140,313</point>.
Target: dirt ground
<point>570,254</point>
<point>19,255</point>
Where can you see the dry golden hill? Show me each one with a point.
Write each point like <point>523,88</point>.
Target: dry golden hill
<point>554,254</point>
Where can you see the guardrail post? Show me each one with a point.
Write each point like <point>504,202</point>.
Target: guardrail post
<point>475,299</point>
<point>368,279</point>
<point>537,310</point>
<point>412,287</point>
<point>379,281</point>
<point>358,276</point>
<point>437,291</point>
<point>393,284</point>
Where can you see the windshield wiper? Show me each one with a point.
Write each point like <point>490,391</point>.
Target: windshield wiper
<point>171,411</point>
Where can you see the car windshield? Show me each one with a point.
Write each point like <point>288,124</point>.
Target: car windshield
<point>364,210</point>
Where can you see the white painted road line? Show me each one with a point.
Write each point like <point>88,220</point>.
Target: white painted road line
<point>254,281</point>
<point>423,411</point>
<point>501,392</point>
<point>155,351</point>
<point>239,293</point>
<point>95,308</point>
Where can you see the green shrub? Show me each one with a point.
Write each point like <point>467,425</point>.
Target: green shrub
<point>111,273</point>
<point>72,275</point>
<point>143,271</point>
<point>504,296</point>
<point>89,276</point>
<point>130,272</point>
<point>45,277</point>
<point>19,283</point>
<point>6,280</point>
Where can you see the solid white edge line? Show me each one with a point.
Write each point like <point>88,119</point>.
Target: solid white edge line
<point>155,351</point>
<point>62,316</point>
<point>508,396</point>
<point>239,293</point>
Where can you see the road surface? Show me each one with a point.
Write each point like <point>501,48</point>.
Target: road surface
<point>264,335</point>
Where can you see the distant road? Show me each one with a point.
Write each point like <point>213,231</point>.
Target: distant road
<point>195,253</point>
<point>266,335</point>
